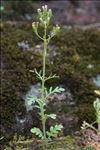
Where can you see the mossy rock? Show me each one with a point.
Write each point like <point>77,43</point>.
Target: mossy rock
<point>86,112</point>
<point>75,50</point>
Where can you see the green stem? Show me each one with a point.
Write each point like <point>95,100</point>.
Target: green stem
<point>99,126</point>
<point>43,85</point>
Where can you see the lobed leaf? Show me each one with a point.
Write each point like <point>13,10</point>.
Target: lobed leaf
<point>37,132</point>
<point>53,116</point>
<point>56,90</point>
<point>54,130</point>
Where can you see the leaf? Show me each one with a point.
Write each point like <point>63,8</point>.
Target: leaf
<point>31,99</point>
<point>56,90</point>
<point>36,106</point>
<point>97,92</point>
<point>58,127</point>
<point>39,74</point>
<point>37,132</point>
<point>53,116</point>
<point>50,90</point>
<point>46,92</point>
<point>40,103</point>
<point>96,105</point>
<point>51,77</point>
<point>59,90</point>
<point>54,130</point>
<point>1,138</point>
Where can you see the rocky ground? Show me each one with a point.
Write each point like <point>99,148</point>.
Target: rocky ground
<point>87,139</point>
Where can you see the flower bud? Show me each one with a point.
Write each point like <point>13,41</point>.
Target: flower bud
<point>42,7</point>
<point>44,15</point>
<point>45,7</point>
<point>57,27</point>
<point>33,24</point>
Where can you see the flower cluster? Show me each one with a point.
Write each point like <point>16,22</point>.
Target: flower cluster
<point>55,30</point>
<point>35,26</point>
<point>44,15</point>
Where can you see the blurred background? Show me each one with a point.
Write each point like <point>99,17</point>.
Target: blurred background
<point>65,11</point>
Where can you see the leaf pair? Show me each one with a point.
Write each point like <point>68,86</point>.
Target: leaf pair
<point>52,133</point>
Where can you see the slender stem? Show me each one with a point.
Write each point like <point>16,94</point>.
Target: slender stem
<point>43,84</point>
<point>98,126</point>
<point>39,36</point>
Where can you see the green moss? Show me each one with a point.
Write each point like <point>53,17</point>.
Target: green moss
<point>16,77</point>
<point>76,49</point>
<point>17,10</point>
<point>86,112</point>
<point>65,108</point>
<point>61,143</point>
<point>70,140</point>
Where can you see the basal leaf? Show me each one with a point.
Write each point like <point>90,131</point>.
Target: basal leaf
<point>37,132</point>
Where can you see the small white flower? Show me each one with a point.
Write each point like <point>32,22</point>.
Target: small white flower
<point>49,10</point>
<point>57,26</point>
<point>48,18</point>
<point>52,33</point>
<point>40,19</point>
<point>39,10</point>
<point>45,6</point>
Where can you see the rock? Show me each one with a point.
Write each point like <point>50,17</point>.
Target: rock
<point>24,45</point>
<point>70,122</point>
<point>65,97</point>
<point>96,80</point>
